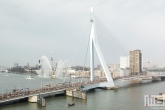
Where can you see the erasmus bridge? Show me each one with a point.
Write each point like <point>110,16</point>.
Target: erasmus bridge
<point>77,89</point>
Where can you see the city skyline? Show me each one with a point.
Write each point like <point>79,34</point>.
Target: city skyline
<point>30,29</point>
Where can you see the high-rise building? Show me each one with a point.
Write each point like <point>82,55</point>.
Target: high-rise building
<point>124,65</point>
<point>135,61</point>
<point>15,64</point>
<point>124,62</point>
<point>28,66</point>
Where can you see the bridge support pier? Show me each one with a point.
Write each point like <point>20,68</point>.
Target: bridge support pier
<point>32,98</point>
<point>76,93</point>
<point>41,101</point>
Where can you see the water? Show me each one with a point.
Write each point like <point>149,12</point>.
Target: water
<point>46,69</point>
<point>59,71</point>
<point>125,98</point>
<point>7,83</point>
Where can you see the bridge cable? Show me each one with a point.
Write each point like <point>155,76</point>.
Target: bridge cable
<point>77,51</point>
<point>105,36</point>
<point>103,32</point>
<point>85,57</point>
<point>113,35</point>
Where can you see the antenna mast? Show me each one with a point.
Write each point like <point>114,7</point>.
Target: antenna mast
<point>51,59</point>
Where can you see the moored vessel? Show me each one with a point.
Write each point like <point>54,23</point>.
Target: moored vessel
<point>29,77</point>
<point>53,76</point>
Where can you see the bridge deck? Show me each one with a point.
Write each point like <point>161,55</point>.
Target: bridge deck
<point>19,94</point>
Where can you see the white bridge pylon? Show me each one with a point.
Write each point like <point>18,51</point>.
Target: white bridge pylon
<point>94,44</point>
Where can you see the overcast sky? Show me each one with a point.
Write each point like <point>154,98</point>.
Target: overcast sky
<point>32,28</point>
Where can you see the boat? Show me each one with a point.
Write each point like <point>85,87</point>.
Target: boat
<point>73,76</point>
<point>71,104</point>
<point>2,71</point>
<point>53,76</point>
<point>29,77</point>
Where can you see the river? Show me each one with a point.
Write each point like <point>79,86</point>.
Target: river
<point>130,97</point>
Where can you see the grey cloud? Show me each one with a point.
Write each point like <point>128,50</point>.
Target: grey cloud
<point>30,29</point>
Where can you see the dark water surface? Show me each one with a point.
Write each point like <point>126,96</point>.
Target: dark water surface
<point>125,98</point>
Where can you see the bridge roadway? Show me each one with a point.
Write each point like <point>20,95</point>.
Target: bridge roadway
<point>60,88</point>
<point>49,89</point>
<point>150,76</point>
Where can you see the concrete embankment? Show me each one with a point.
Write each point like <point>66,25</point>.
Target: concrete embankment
<point>76,93</point>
